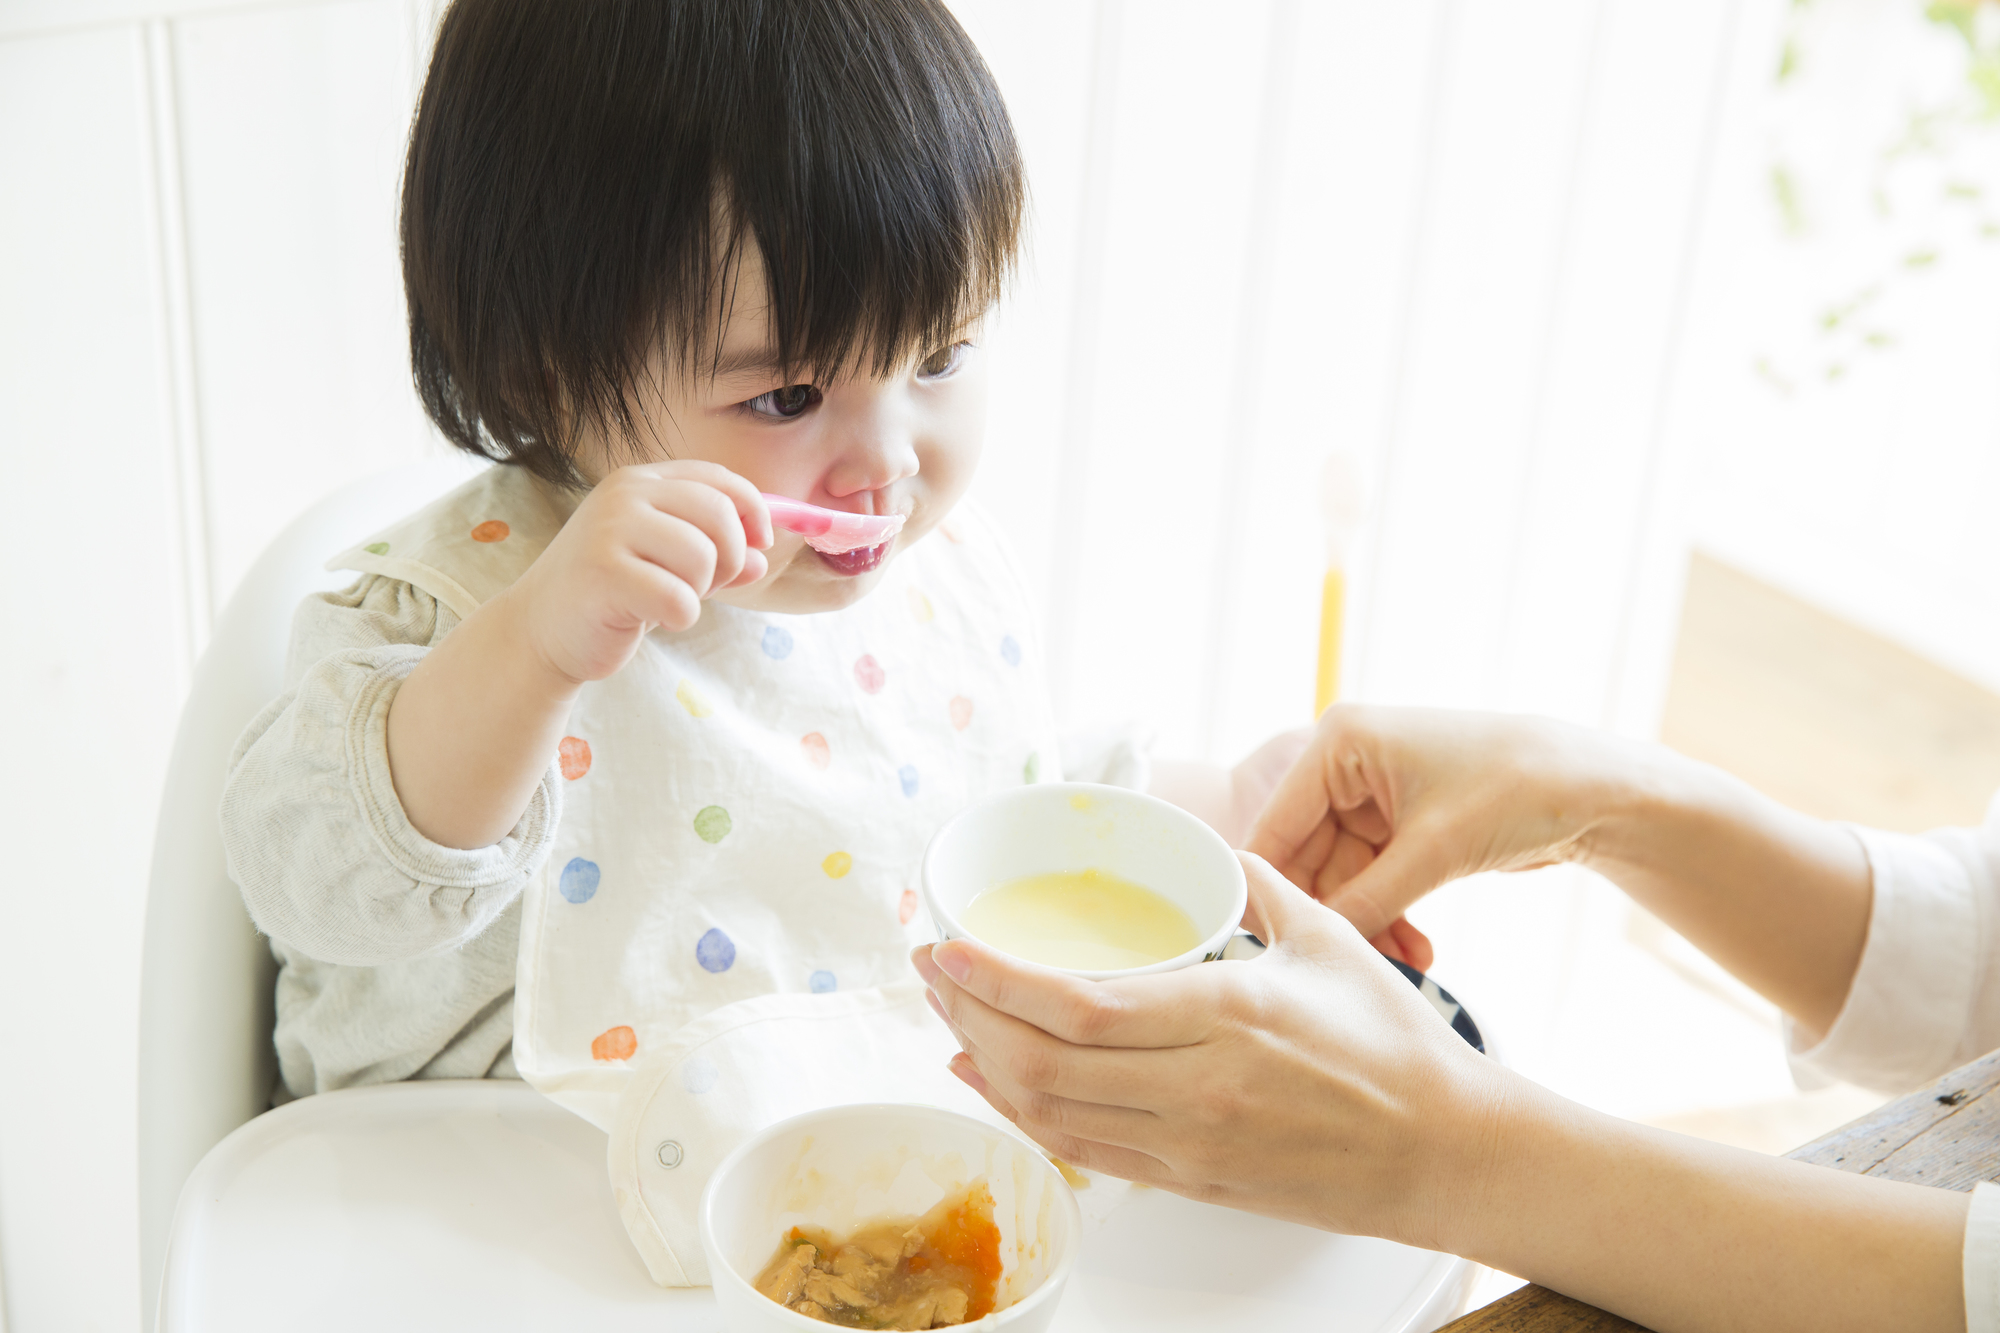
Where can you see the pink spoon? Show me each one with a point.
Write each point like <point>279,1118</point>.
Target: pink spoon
<point>833,531</point>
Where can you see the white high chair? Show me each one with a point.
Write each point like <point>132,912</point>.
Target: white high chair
<point>478,1203</point>
<point>418,1205</point>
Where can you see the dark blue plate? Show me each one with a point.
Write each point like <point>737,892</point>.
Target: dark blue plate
<point>1448,1007</point>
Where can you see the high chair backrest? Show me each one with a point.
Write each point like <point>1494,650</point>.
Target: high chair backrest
<point>206,1063</point>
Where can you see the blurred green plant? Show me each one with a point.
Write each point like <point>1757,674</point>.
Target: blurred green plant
<point>1935,133</point>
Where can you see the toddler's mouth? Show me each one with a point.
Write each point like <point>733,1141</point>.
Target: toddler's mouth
<point>858,561</point>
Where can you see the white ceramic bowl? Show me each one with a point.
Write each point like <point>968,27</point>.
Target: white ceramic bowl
<point>1072,826</point>
<point>845,1166</point>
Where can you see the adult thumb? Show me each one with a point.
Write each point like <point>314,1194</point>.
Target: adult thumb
<point>1278,908</point>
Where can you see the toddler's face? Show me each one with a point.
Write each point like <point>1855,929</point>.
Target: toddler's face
<point>905,443</point>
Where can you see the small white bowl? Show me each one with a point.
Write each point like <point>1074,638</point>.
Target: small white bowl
<point>1074,826</point>
<point>846,1166</point>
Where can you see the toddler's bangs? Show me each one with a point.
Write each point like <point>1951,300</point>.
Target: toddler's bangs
<point>583,175</point>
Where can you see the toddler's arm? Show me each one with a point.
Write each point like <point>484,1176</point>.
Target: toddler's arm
<point>472,729</point>
<point>314,836</point>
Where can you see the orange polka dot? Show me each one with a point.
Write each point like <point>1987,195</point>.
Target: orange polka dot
<point>618,1043</point>
<point>818,753</point>
<point>492,530</point>
<point>574,757</point>
<point>908,907</point>
<point>961,712</point>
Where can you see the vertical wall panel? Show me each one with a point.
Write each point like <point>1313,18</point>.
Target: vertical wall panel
<point>1581,501</point>
<point>1159,416</point>
<point>1348,184</point>
<point>1505,162</point>
<point>1043,54</point>
<point>91,674</point>
<point>293,122</point>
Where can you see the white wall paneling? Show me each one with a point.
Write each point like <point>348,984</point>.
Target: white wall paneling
<point>96,627</point>
<point>1494,252</point>
<point>200,333</point>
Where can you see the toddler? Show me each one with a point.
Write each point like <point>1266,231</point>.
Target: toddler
<point>590,755</point>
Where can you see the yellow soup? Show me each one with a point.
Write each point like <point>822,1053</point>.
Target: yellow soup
<point>1086,920</point>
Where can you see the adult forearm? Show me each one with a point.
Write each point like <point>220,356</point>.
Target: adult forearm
<point>1777,897</point>
<point>1685,1236</point>
<point>473,728</point>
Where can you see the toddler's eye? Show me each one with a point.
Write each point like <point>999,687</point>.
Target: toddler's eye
<point>784,403</point>
<point>942,362</point>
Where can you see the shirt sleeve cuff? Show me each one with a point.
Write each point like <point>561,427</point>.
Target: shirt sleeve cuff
<point>1982,1261</point>
<point>1911,994</point>
<point>424,861</point>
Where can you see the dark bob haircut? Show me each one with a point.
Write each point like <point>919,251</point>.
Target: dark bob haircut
<point>583,174</point>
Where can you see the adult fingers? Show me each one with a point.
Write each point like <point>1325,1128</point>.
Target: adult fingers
<point>1298,808</point>
<point>1110,1159</point>
<point>1125,1126</point>
<point>1168,1009</point>
<point>1348,857</point>
<point>1278,910</point>
<point>1404,869</point>
<point>1035,1063</point>
<point>1416,946</point>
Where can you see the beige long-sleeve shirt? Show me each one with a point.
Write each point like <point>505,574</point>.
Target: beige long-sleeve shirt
<point>396,954</point>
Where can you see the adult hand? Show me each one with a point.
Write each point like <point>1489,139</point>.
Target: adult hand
<point>1312,1083</point>
<point>1389,803</point>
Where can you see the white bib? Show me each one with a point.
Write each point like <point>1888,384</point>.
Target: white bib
<point>745,806</point>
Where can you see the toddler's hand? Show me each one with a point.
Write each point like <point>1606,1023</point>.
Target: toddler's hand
<point>645,547</point>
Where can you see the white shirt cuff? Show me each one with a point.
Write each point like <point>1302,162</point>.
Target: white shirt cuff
<point>1911,996</point>
<point>1982,1261</point>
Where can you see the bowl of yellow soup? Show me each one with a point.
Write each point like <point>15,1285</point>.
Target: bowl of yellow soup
<point>1095,881</point>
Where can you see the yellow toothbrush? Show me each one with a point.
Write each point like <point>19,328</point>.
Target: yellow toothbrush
<point>1343,499</point>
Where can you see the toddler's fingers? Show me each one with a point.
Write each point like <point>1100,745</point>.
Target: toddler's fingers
<point>710,512</point>
<point>657,596</point>
<point>755,567</point>
<point>753,516</point>
<point>681,549</point>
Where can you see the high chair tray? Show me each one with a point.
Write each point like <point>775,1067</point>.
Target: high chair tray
<point>480,1204</point>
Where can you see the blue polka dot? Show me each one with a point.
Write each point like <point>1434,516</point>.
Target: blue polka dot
<point>822,981</point>
<point>1010,649</point>
<point>715,951</point>
<point>908,774</point>
<point>699,1074</point>
<point>777,642</point>
<point>579,880</point>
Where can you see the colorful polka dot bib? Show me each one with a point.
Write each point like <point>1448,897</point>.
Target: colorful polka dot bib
<point>745,806</point>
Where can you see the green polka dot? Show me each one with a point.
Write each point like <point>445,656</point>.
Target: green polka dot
<point>377,548</point>
<point>712,823</point>
<point>1031,770</point>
